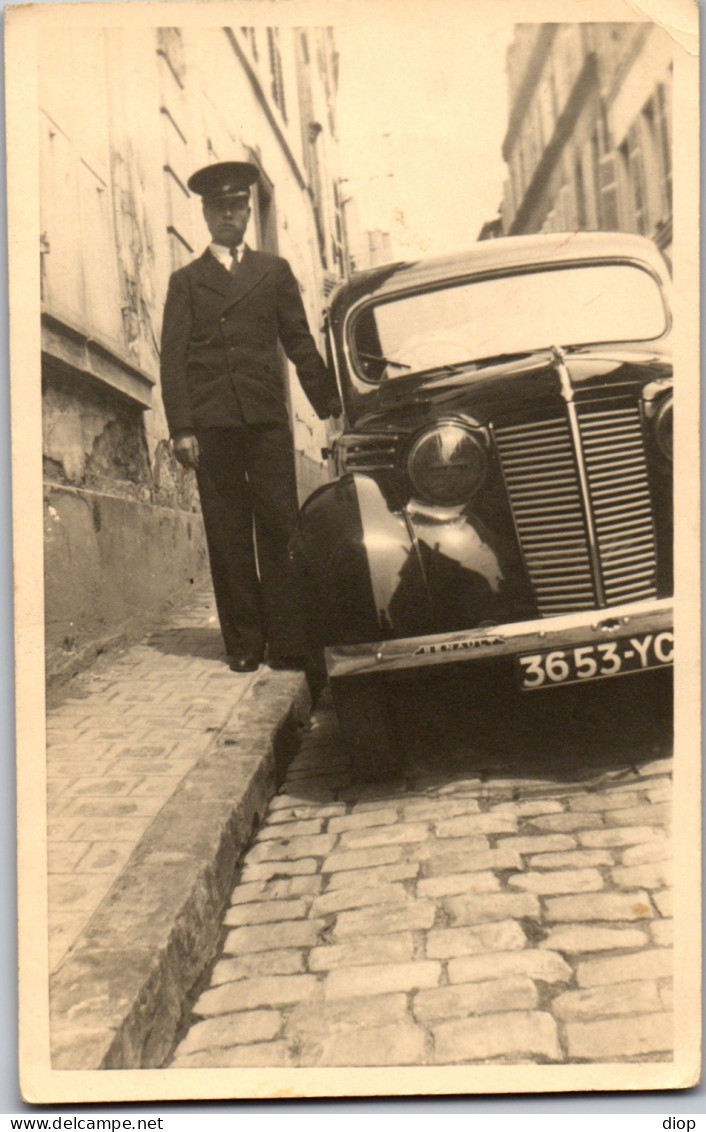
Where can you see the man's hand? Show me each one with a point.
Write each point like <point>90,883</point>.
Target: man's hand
<point>186,448</point>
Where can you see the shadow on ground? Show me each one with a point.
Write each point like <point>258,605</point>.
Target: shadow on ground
<point>567,733</point>
<point>447,726</point>
<point>199,641</point>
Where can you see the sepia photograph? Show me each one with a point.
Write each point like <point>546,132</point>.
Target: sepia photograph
<point>354,758</point>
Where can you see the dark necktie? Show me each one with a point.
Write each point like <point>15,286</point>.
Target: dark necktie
<point>235,265</point>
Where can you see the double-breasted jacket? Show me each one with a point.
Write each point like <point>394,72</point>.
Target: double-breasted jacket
<point>219,360</point>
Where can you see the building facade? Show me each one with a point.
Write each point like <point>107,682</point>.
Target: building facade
<point>366,247</point>
<point>126,116</point>
<point>589,138</point>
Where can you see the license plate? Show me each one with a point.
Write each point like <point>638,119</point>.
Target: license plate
<point>594,662</point>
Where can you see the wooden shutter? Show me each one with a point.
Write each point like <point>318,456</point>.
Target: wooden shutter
<point>607,181</point>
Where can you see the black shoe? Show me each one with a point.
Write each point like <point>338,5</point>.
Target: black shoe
<point>281,660</point>
<point>245,661</point>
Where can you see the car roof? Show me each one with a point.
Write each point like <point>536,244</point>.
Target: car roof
<point>498,254</point>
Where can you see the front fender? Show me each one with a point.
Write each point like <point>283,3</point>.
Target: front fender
<point>347,555</point>
<point>371,568</point>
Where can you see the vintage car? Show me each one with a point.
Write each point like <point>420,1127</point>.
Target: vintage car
<point>504,480</point>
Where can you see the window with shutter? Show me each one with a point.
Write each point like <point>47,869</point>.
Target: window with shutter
<point>655,180</point>
<point>594,183</point>
<point>607,178</point>
<point>251,38</point>
<point>171,48</point>
<point>664,134</point>
<point>276,77</point>
<point>636,178</point>
<point>62,262</point>
<point>175,156</point>
<point>580,194</point>
<point>80,281</point>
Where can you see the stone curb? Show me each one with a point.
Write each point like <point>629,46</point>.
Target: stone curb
<point>117,1000</point>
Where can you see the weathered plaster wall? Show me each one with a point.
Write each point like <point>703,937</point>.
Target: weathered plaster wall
<point>89,436</point>
<point>110,564</point>
<point>123,537</point>
<point>94,438</point>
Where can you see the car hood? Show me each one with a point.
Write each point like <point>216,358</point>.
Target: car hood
<point>497,388</point>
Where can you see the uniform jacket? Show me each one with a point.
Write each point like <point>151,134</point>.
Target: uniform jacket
<point>219,361</point>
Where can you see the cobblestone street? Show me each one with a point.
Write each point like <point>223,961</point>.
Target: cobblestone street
<point>507,899</point>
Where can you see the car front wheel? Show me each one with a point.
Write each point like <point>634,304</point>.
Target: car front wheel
<point>363,710</point>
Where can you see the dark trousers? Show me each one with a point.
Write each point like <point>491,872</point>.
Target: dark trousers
<point>249,503</point>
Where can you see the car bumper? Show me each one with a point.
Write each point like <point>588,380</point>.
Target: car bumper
<point>473,645</point>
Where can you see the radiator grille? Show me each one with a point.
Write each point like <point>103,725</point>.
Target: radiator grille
<point>540,468</point>
<point>620,500</point>
<point>540,473</point>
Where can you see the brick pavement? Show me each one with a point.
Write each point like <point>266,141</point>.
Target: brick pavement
<point>117,748</point>
<point>443,920</point>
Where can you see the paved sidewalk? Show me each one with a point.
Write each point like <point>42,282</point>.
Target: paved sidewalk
<point>133,734</point>
<point>117,750</point>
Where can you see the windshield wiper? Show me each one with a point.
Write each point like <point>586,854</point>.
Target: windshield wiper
<point>451,367</point>
<point>382,358</point>
<point>500,359</point>
<point>478,363</point>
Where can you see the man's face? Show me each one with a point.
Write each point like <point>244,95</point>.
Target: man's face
<point>227,220</point>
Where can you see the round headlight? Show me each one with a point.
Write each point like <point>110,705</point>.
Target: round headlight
<point>664,427</point>
<point>447,464</point>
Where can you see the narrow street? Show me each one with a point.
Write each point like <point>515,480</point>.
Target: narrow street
<point>506,899</point>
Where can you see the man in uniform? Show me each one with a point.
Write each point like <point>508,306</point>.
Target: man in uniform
<point>225,403</point>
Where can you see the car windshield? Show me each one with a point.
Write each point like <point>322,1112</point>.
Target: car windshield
<point>509,314</point>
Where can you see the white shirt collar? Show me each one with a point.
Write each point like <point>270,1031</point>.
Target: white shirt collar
<point>223,255</point>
